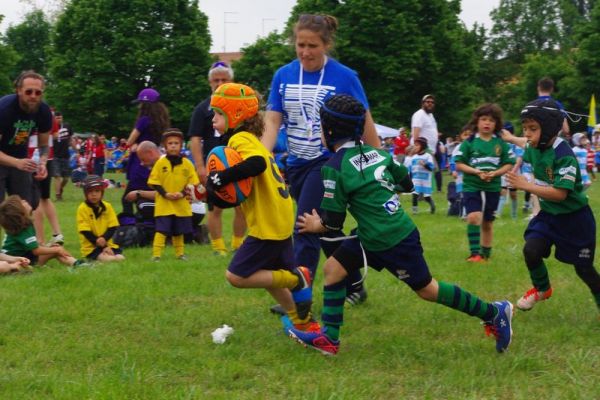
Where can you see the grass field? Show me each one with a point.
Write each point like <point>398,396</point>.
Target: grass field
<point>141,330</point>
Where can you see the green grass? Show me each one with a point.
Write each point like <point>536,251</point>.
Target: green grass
<point>141,330</point>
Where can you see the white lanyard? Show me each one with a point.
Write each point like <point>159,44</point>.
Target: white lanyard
<point>307,119</point>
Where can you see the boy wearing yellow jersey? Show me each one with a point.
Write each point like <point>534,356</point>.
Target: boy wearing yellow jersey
<point>172,211</point>
<point>266,257</point>
<point>97,223</point>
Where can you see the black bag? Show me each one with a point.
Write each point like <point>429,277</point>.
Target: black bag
<point>129,236</point>
<point>454,200</point>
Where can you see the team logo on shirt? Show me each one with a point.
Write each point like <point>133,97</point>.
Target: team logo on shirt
<point>392,205</point>
<point>361,161</point>
<point>550,173</point>
<point>498,149</point>
<point>329,184</point>
<point>585,253</point>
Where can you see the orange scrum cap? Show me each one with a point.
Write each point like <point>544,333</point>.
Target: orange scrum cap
<point>236,102</point>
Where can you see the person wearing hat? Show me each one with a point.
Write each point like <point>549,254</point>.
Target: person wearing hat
<point>203,138</point>
<point>423,123</point>
<point>565,221</point>
<point>170,176</point>
<point>265,260</point>
<point>97,223</point>
<point>152,120</point>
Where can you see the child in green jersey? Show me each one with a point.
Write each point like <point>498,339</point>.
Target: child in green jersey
<point>366,181</point>
<point>565,220</point>
<point>483,158</point>
<point>20,240</point>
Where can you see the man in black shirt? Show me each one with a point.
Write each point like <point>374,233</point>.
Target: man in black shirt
<point>21,115</point>
<point>61,171</point>
<point>203,139</point>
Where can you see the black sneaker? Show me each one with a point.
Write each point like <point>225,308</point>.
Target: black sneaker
<point>356,298</point>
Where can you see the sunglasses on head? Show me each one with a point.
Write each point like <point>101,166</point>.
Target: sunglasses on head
<point>219,64</point>
<point>37,92</point>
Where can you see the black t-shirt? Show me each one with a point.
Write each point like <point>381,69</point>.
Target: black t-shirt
<point>201,126</point>
<point>16,125</point>
<point>63,141</point>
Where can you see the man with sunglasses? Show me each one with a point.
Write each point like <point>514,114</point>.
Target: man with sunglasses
<point>203,139</point>
<point>22,115</point>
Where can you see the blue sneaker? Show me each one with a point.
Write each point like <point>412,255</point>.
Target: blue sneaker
<point>316,340</point>
<point>501,326</point>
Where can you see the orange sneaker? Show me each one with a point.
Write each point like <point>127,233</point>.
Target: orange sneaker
<point>529,299</point>
<point>475,258</point>
<point>310,326</point>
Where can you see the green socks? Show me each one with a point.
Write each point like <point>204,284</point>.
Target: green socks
<point>539,277</point>
<point>459,299</point>
<point>474,234</point>
<point>334,297</point>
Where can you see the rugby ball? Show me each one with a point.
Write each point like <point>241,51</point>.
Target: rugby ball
<point>234,193</point>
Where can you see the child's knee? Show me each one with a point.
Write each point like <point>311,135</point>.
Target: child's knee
<point>234,280</point>
<point>535,250</point>
<point>474,218</point>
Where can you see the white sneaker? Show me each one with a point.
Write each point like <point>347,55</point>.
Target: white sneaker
<point>532,296</point>
<point>57,239</point>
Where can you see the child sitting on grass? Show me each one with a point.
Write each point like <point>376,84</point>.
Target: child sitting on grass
<point>20,240</point>
<point>365,181</point>
<point>97,223</point>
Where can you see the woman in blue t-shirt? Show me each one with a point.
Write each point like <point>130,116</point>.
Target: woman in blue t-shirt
<point>298,91</point>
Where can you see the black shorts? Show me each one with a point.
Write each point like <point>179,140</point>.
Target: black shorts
<point>44,186</point>
<point>573,234</point>
<point>256,254</point>
<point>481,201</point>
<point>59,167</point>
<point>405,260</point>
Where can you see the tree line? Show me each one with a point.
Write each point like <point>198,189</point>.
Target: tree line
<point>97,54</point>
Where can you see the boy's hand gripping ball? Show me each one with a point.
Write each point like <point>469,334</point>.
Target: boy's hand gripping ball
<point>230,194</point>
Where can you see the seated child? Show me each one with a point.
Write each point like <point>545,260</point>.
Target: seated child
<point>365,181</point>
<point>20,240</point>
<point>97,223</point>
<point>10,264</point>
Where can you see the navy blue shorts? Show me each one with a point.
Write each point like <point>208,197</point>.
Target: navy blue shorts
<point>481,201</point>
<point>171,225</point>
<point>405,260</point>
<point>256,254</point>
<point>573,234</point>
<point>98,250</point>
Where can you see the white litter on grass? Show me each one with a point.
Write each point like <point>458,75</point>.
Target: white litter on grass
<point>220,335</point>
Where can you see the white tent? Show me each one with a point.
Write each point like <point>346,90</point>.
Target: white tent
<point>385,131</point>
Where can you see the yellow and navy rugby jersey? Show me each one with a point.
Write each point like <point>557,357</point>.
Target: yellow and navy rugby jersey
<point>269,210</point>
<point>172,179</point>
<point>87,221</point>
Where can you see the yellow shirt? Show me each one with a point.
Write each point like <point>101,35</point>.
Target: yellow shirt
<point>172,180</point>
<point>269,210</point>
<point>87,221</point>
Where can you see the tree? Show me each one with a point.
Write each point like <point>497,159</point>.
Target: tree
<point>260,61</point>
<point>587,56</point>
<point>30,39</point>
<point>525,26</point>
<point>8,59</point>
<point>106,51</point>
<point>402,50</point>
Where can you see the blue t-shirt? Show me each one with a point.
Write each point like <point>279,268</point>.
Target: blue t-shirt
<point>16,125</point>
<point>303,124</point>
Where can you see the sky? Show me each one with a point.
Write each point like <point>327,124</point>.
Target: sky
<point>236,23</point>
